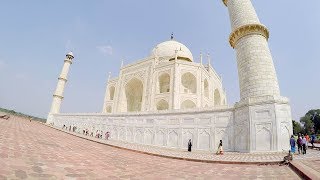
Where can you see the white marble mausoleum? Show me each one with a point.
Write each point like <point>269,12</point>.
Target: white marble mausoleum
<point>167,98</point>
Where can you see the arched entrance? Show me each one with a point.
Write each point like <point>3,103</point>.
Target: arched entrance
<point>217,98</point>
<point>134,92</point>
<point>162,105</point>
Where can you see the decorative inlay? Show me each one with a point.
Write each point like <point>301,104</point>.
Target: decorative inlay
<point>247,30</point>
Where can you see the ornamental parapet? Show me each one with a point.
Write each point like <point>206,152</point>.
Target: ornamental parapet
<point>245,30</point>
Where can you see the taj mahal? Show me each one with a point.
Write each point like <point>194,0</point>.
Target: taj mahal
<point>167,98</point>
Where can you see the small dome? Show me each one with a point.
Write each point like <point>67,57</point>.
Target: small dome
<point>166,50</point>
<point>70,55</point>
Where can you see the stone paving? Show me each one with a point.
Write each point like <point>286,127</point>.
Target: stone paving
<point>30,150</point>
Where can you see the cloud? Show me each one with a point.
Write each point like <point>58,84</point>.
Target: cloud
<point>105,50</point>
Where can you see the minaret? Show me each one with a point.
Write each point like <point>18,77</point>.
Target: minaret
<point>209,60</point>
<point>257,75</point>
<point>262,117</point>
<point>62,80</point>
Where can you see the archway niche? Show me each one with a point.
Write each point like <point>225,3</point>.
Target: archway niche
<point>162,105</point>
<point>263,140</point>
<point>164,83</point>
<point>189,83</point>
<point>111,92</point>
<point>108,109</point>
<point>206,88</point>
<point>134,92</point>
<point>188,104</point>
<point>217,98</point>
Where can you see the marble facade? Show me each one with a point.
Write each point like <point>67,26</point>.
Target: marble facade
<point>166,98</point>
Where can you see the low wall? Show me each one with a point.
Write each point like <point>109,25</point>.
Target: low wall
<point>164,129</point>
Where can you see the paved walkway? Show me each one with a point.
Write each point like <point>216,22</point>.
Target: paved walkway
<point>30,150</point>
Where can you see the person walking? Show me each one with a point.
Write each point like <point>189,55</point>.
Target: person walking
<point>304,142</point>
<point>220,149</point>
<point>299,142</point>
<point>189,145</point>
<point>308,140</point>
<point>313,138</point>
<point>293,144</point>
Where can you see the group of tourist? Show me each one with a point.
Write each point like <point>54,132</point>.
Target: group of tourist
<point>301,141</point>
<point>219,150</point>
<point>97,134</point>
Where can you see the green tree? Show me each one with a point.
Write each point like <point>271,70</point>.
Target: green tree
<point>311,121</point>
<point>296,127</point>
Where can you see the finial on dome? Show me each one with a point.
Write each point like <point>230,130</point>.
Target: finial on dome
<point>200,57</point>
<point>121,62</point>
<point>171,36</point>
<point>209,60</point>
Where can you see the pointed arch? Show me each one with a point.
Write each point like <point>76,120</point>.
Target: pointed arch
<point>188,104</point>
<point>206,88</point>
<point>162,105</point>
<point>134,94</point>
<point>108,109</point>
<point>111,92</point>
<point>263,140</point>
<point>189,83</point>
<point>217,97</point>
<point>164,83</point>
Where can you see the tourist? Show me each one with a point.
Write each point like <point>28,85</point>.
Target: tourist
<point>107,135</point>
<point>304,142</point>
<point>189,145</point>
<point>308,140</point>
<point>313,138</point>
<point>293,144</point>
<point>299,142</point>
<point>220,149</point>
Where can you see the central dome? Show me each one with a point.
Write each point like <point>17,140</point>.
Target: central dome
<point>167,50</point>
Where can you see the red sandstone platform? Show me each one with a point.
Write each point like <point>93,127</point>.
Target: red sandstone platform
<point>30,150</point>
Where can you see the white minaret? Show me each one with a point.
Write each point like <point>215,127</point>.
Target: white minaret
<point>257,75</point>
<point>263,117</point>
<point>62,80</point>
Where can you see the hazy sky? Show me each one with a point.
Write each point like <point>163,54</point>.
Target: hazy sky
<point>35,36</point>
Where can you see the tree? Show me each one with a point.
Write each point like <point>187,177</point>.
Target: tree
<point>311,121</point>
<point>296,127</point>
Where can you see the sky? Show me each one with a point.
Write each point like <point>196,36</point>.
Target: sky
<point>35,36</point>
